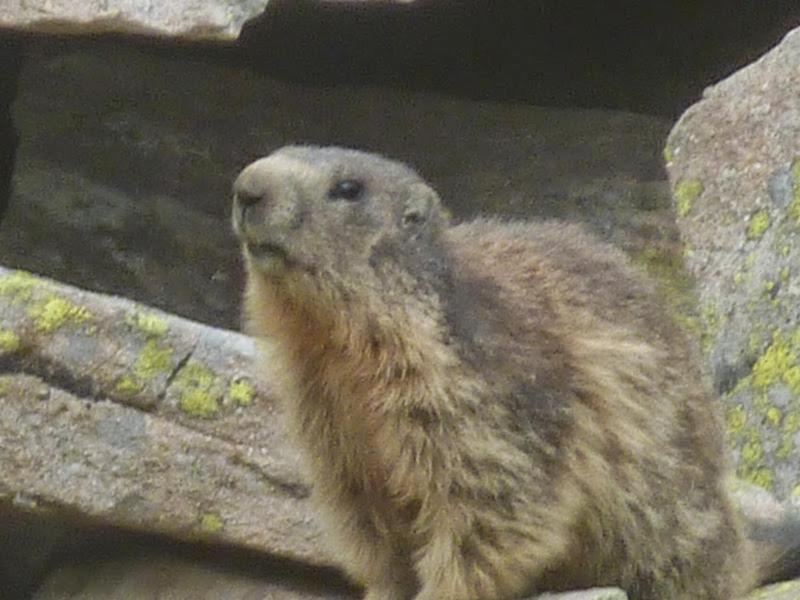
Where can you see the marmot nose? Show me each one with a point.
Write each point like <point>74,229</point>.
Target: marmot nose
<point>249,191</point>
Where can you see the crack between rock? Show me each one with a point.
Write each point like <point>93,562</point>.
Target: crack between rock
<point>295,490</point>
<point>171,377</point>
<point>55,376</point>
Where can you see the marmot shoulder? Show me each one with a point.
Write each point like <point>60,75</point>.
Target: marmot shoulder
<point>491,409</point>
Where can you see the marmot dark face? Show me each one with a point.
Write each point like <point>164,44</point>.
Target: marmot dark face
<point>332,213</point>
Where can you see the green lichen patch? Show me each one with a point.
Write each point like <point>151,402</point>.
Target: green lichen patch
<point>759,223</point>
<point>785,449</point>
<point>675,285</point>
<point>762,477</point>
<point>774,416</point>
<point>711,323</point>
<point>791,424</point>
<point>9,341</point>
<point>241,392</point>
<point>128,386</point>
<point>198,390</point>
<point>669,154</point>
<point>211,523</point>
<point>18,285</point>
<point>736,419</point>
<point>150,324</point>
<point>779,362</point>
<point>53,312</point>
<point>686,192</point>
<point>153,360</point>
<point>752,467</point>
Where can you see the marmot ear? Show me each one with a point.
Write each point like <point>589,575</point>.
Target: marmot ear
<point>422,203</point>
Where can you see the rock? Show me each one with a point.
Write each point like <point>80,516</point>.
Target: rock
<point>149,574</point>
<point>123,173</point>
<point>192,19</point>
<point>143,420</point>
<point>734,168</point>
<point>787,590</point>
<point>595,594</point>
<point>154,574</point>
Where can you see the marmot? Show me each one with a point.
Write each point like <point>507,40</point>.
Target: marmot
<point>491,409</point>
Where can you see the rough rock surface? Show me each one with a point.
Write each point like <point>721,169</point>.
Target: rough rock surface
<point>734,167</point>
<point>123,173</point>
<point>138,418</point>
<point>596,594</point>
<point>147,574</point>
<point>141,577</point>
<point>193,19</point>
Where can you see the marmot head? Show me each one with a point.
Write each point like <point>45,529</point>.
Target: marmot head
<point>350,219</point>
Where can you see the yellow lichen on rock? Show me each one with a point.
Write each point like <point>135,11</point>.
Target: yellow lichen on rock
<point>758,225</point>
<point>779,362</point>
<point>53,312</point>
<point>686,192</point>
<point>150,324</point>
<point>197,389</point>
<point>18,285</point>
<point>241,392</point>
<point>9,341</point>
<point>211,523</point>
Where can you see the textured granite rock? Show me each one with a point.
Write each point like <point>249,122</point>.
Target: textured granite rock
<point>143,420</point>
<point>148,574</point>
<point>595,594</point>
<point>193,19</point>
<point>734,167</point>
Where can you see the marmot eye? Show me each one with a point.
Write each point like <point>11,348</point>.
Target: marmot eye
<point>346,189</point>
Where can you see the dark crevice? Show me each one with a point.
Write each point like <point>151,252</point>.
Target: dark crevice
<point>10,61</point>
<point>294,490</point>
<point>180,364</point>
<point>52,374</point>
<point>647,57</point>
<point>57,536</point>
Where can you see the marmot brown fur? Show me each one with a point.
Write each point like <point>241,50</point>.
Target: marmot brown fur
<point>491,409</point>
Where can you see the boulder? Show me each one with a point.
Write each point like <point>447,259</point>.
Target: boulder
<point>734,167</point>
<point>192,19</point>
<point>139,419</point>
<point>145,573</point>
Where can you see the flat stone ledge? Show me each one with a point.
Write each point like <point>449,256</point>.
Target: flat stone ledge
<point>593,594</point>
<point>189,19</point>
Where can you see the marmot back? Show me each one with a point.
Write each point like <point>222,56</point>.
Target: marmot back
<point>490,410</point>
